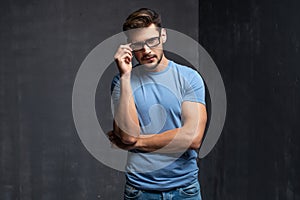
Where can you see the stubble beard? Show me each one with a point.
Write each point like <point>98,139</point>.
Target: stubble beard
<point>153,66</point>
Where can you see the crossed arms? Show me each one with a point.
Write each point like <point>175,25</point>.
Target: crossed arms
<point>126,132</point>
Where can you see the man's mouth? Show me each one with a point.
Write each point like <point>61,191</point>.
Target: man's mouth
<point>148,57</point>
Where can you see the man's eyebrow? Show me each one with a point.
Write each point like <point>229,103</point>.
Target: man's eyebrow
<point>130,41</point>
<point>138,42</point>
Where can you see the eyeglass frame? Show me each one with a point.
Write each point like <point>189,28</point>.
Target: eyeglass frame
<point>145,42</point>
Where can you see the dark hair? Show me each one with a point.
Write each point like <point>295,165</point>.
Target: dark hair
<point>142,18</point>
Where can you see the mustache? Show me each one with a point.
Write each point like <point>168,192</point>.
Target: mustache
<point>148,56</point>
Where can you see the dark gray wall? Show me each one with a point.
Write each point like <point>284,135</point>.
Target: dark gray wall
<point>255,44</point>
<point>43,44</point>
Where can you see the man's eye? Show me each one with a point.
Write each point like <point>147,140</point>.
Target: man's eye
<point>151,41</point>
<point>138,44</point>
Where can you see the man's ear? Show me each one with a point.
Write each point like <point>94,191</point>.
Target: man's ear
<point>163,35</point>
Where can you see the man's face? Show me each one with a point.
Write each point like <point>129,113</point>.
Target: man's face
<point>147,45</point>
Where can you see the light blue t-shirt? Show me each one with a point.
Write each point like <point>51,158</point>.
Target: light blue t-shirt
<point>158,97</point>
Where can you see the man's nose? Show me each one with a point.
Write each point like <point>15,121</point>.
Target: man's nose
<point>146,48</point>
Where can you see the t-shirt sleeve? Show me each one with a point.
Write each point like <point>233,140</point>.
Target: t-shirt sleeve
<point>194,89</point>
<point>115,90</point>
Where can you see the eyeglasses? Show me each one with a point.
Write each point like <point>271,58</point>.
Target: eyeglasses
<point>152,42</point>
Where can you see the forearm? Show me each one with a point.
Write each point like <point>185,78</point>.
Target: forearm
<point>126,120</point>
<point>189,136</point>
<point>171,141</point>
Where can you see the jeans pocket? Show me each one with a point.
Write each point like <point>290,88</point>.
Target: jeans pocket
<point>190,190</point>
<point>131,192</point>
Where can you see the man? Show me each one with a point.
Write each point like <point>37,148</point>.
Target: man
<point>160,114</point>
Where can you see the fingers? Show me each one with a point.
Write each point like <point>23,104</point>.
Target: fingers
<point>116,143</point>
<point>112,139</point>
<point>126,46</point>
<point>126,57</point>
<point>111,135</point>
<point>123,51</point>
<point>123,58</point>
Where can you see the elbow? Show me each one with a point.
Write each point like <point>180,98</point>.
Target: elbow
<point>195,145</point>
<point>190,140</point>
<point>131,138</point>
<point>128,139</point>
<point>195,138</point>
<point>125,137</point>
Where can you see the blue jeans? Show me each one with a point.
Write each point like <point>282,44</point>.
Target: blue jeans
<point>190,192</point>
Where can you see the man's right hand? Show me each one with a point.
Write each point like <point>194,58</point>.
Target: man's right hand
<point>123,58</point>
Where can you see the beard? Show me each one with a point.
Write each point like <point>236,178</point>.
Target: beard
<point>150,65</point>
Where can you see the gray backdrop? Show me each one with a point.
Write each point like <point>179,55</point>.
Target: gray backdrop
<point>255,44</point>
